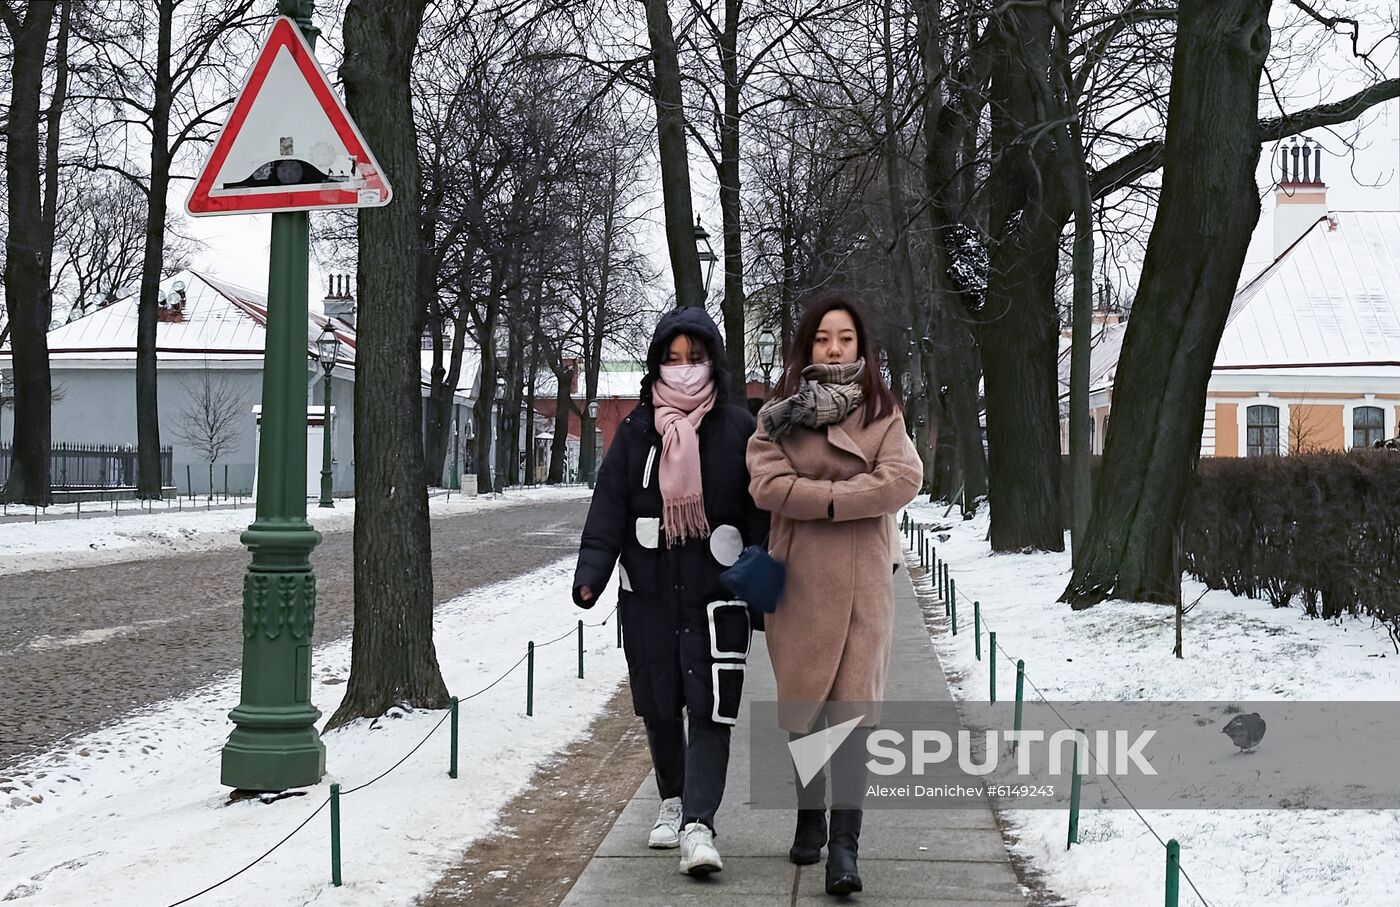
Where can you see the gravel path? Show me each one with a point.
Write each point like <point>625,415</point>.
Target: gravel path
<point>81,647</point>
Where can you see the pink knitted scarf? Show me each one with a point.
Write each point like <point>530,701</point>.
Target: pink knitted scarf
<point>678,417</point>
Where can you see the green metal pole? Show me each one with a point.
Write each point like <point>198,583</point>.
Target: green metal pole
<point>1020,697</point>
<point>326,489</point>
<point>335,834</point>
<point>452,763</point>
<point>275,745</point>
<point>977,629</point>
<point>1073,837</point>
<point>580,649</point>
<point>953,613</point>
<point>1173,872</point>
<point>992,661</point>
<point>949,602</point>
<point>530,679</point>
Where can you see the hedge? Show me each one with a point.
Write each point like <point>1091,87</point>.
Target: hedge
<point>1319,530</point>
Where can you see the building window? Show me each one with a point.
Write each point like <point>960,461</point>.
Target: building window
<point>1367,426</point>
<point>1093,425</point>
<point>1262,431</point>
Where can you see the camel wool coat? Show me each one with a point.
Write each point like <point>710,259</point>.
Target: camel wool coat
<point>832,493</point>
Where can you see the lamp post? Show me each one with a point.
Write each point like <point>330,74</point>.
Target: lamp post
<point>327,351</point>
<point>593,421</point>
<point>274,744</point>
<point>496,429</point>
<point>706,254</point>
<point>7,396</point>
<point>767,356</point>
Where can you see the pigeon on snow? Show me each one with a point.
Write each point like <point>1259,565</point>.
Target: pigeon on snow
<point>1245,731</point>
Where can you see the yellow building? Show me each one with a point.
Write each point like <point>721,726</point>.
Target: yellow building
<point>1310,356</point>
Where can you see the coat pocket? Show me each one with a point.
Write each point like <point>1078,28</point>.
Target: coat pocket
<point>727,685</point>
<point>730,630</point>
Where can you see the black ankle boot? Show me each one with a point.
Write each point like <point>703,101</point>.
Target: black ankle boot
<point>810,837</point>
<point>842,871</point>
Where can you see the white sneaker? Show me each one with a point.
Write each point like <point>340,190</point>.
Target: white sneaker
<point>666,833</point>
<point>698,854</point>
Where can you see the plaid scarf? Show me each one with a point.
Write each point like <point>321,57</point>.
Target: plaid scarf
<point>826,396</point>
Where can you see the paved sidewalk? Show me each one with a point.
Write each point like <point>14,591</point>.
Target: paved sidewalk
<point>939,858</point>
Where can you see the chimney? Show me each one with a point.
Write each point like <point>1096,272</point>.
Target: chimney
<point>1301,198</point>
<point>338,302</point>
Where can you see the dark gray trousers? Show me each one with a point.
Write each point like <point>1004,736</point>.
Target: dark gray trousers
<point>693,769</point>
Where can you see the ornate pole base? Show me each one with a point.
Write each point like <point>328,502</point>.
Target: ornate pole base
<point>276,745</point>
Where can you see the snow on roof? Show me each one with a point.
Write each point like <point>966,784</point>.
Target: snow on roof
<point>617,380</point>
<point>1333,297</point>
<point>471,368</point>
<point>1329,303</point>
<point>1103,357</point>
<point>220,321</point>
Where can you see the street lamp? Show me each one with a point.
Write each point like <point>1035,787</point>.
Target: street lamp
<point>497,428</point>
<point>593,421</point>
<point>767,355</point>
<point>706,254</point>
<point>7,395</point>
<point>327,351</point>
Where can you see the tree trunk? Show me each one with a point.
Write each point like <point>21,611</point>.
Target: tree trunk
<point>675,161</point>
<point>148,472</point>
<point>392,655</point>
<point>1207,212</point>
<point>1019,336</point>
<point>729,206</point>
<point>26,286</point>
<point>559,447</point>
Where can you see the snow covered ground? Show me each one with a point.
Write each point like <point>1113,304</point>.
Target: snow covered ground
<point>97,539</point>
<point>1235,649</point>
<point>135,814</point>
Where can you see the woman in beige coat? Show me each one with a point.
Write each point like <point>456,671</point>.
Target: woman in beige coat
<point>832,463</point>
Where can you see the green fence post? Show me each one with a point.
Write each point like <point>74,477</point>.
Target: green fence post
<point>992,661</point>
<point>452,764</point>
<point>953,613</point>
<point>977,629</point>
<point>1073,837</point>
<point>189,483</point>
<point>1173,872</point>
<point>530,679</point>
<point>335,834</point>
<point>580,649</point>
<point>952,596</point>
<point>1020,697</point>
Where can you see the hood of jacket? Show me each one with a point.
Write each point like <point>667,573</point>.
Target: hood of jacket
<point>697,323</point>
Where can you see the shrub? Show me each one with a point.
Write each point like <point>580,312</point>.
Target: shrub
<point>1322,529</point>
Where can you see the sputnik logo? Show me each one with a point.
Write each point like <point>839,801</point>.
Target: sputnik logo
<point>812,752</point>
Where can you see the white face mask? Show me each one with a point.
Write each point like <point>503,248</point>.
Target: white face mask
<point>688,379</point>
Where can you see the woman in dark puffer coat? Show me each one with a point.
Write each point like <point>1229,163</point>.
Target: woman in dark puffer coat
<point>672,503</point>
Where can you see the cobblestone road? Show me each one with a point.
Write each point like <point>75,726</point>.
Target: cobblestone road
<point>79,648</point>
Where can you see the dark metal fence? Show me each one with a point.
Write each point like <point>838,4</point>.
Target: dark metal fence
<point>76,466</point>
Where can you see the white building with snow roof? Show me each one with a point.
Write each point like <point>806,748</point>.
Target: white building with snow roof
<point>1310,356</point>
<point>213,339</point>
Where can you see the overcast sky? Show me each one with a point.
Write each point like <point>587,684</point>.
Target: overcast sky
<point>1366,177</point>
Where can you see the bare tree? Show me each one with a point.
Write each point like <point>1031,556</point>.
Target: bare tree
<point>210,420</point>
<point>393,659</point>
<point>156,89</point>
<point>30,238</point>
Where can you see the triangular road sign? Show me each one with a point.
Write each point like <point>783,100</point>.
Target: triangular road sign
<point>289,144</point>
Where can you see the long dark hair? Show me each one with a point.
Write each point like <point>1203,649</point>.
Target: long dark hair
<point>879,400</point>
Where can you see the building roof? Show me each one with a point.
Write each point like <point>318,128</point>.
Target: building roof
<point>1332,298</point>
<point>220,322</point>
<point>1103,357</point>
<point>1328,305</point>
